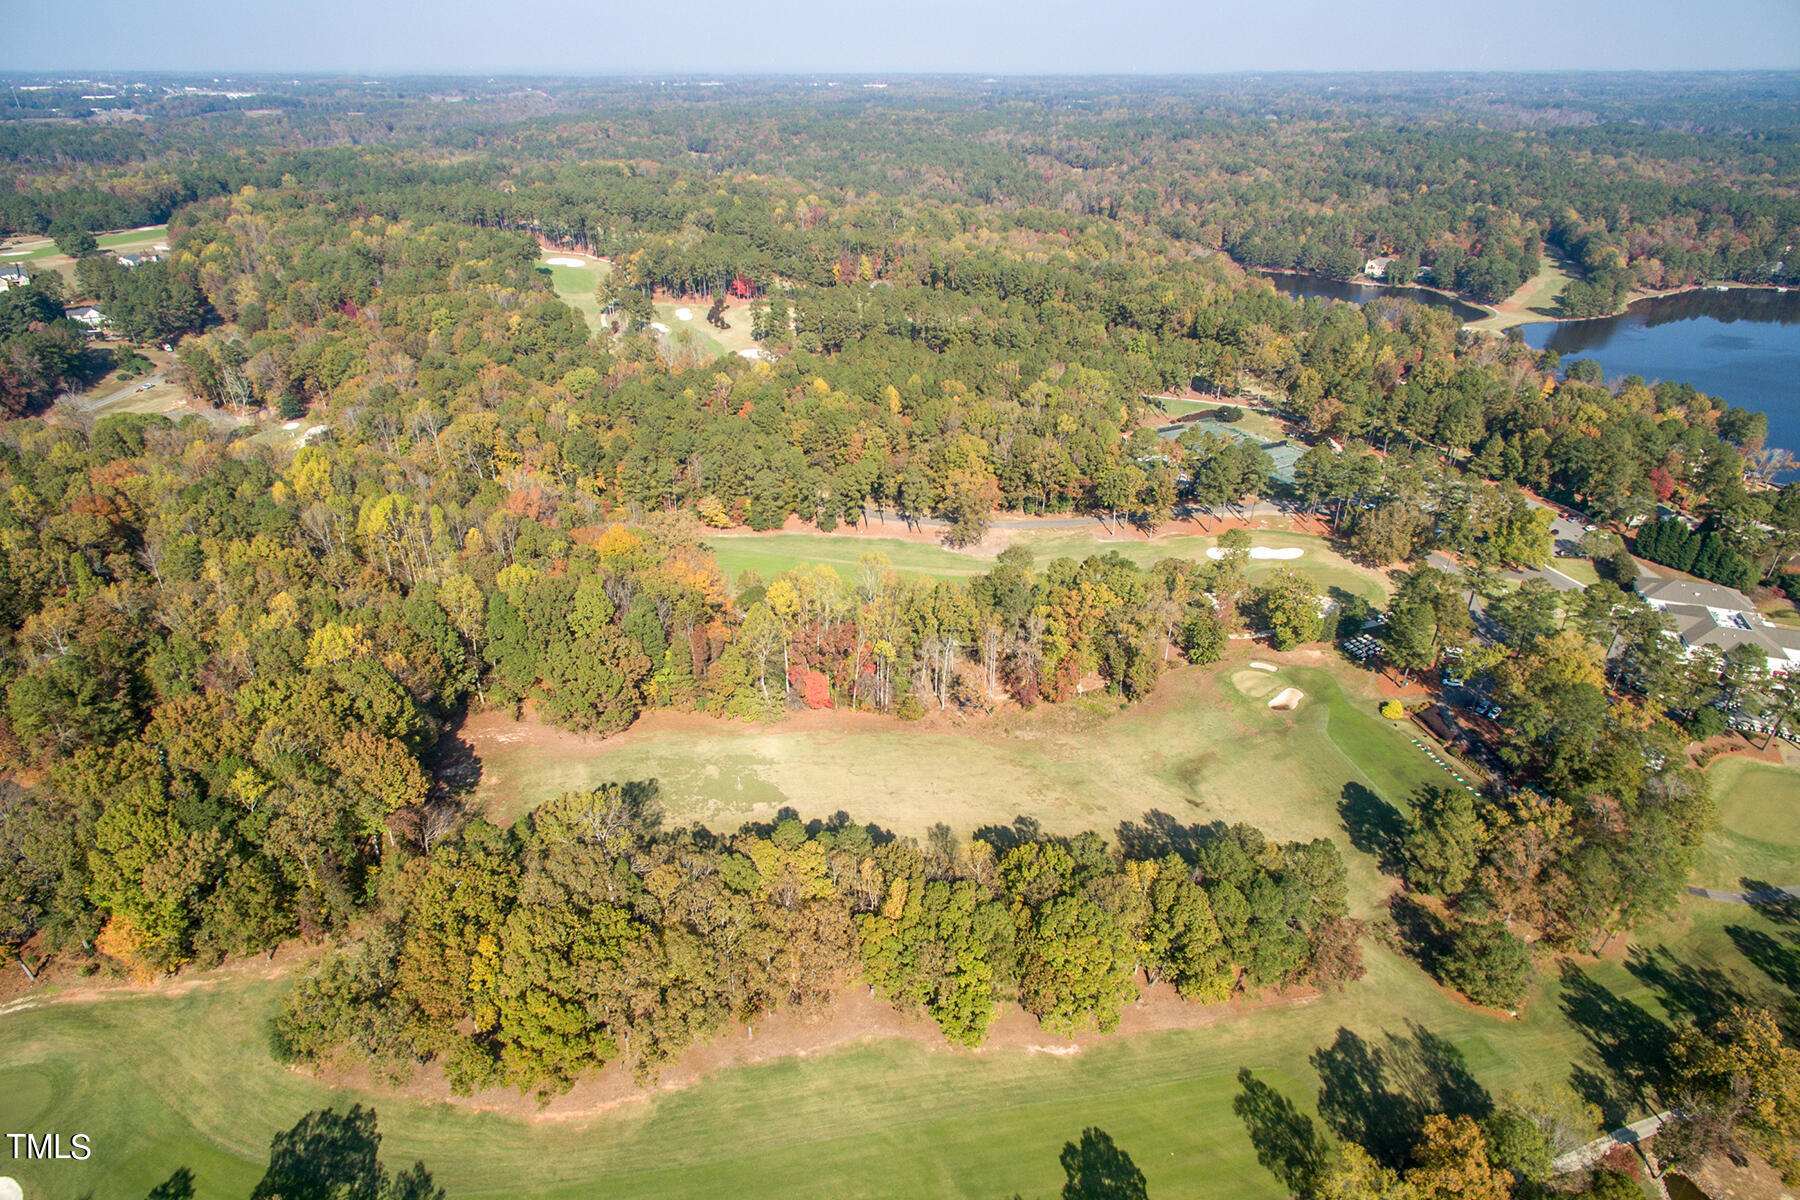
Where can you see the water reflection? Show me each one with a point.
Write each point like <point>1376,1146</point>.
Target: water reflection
<point>1301,286</point>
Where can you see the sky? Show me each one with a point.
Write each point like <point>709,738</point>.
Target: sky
<point>605,37</point>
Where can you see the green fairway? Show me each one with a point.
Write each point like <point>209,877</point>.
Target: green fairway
<point>769,554</point>
<point>1203,749</point>
<point>160,1082</point>
<point>1757,835</point>
<point>575,285</point>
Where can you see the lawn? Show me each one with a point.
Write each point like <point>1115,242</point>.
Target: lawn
<point>769,554</point>
<point>43,251</point>
<point>715,343</point>
<point>1206,747</point>
<point>575,285</point>
<point>164,1081</point>
<point>1534,301</point>
<point>1757,835</point>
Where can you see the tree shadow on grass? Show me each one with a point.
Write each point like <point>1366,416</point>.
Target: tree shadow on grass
<point>1627,1045</point>
<point>1287,1141</point>
<point>1162,834</point>
<point>1378,1094</point>
<point>1375,826</point>
<point>179,1186</point>
<point>1685,989</point>
<point>328,1155</point>
<point>1002,838</point>
<point>1422,932</point>
<point>1098,1169</point>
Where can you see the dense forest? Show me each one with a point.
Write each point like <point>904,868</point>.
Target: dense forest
<point>227,665</point>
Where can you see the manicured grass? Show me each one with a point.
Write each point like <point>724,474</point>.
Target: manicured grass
<point>769,554</point>
<point>1534,301</point>
<point>716,343</point>
<point>160,1082</point>
<point>575,285</point>
<point>1757,835</point>
<point>1579,569</point>
<point>42,250</point>
<point>1201,750</point>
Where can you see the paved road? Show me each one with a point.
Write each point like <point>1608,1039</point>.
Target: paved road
<point>1594,1151</point>
<point>1771,895</point>
<point>90,403</point>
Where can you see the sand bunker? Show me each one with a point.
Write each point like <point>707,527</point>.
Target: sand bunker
<point>753,353</point>
<point>659,327</point>
<point>162,247</point>
<point>292,425</point>
<point>1261,552</point>
<point>1289,699</point>
<point>684,314</point>
<point>565,262</point>
<point>1264,667</point>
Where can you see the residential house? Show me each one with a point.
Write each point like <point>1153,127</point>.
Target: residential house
<point>13,275</point>
<point>91,319</point>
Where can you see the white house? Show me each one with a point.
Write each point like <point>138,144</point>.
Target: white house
<point>132,260</point>
<point>13,275</point>
<point>1375,268</point>
<point>1708,614</point>
<point>87,316</point>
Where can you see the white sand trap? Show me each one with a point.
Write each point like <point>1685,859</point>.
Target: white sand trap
<point>659,327</point>
<point>162,246</point>
<point>684,314</point>
<point>565,262</point>
<point>292,425</point>
<point>15,254</point>
<point>1264,667</point>
<point>753,353</point>
<point>1288,700</point>
<point>1261,552</point>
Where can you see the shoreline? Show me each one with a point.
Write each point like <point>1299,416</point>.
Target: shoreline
<point>1503,319</point>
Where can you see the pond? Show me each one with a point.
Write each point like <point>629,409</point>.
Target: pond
<point>1300,285</point>
<point>1742,346</point>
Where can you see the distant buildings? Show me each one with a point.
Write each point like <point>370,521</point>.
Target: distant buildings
<point>1708,614</point>
<point>134,260</point>
<point>13,275</point>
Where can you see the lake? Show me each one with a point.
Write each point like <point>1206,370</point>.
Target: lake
<point>1742,346</point>
<point>1300,286</point>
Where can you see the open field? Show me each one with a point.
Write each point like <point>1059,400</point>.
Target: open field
<point>575,285</point>
<point>769,554</point>
<point>180,1076</point>
<point>713,342</point>
<point>1757,835</point>
<point>42,251</point>
<point>161,1081</point>
<point>1206,747</point>
<point>1534,301</point>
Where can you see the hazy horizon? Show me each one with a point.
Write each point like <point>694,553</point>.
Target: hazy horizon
<point>930,37</point>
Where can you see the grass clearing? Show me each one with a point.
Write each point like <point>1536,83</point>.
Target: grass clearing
<point>1534,301</point>
<point>769,554</point>
<point>1205,748</point>
<point>1757,835</point>
<point>162,1081</point>
<point>575,285</point>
